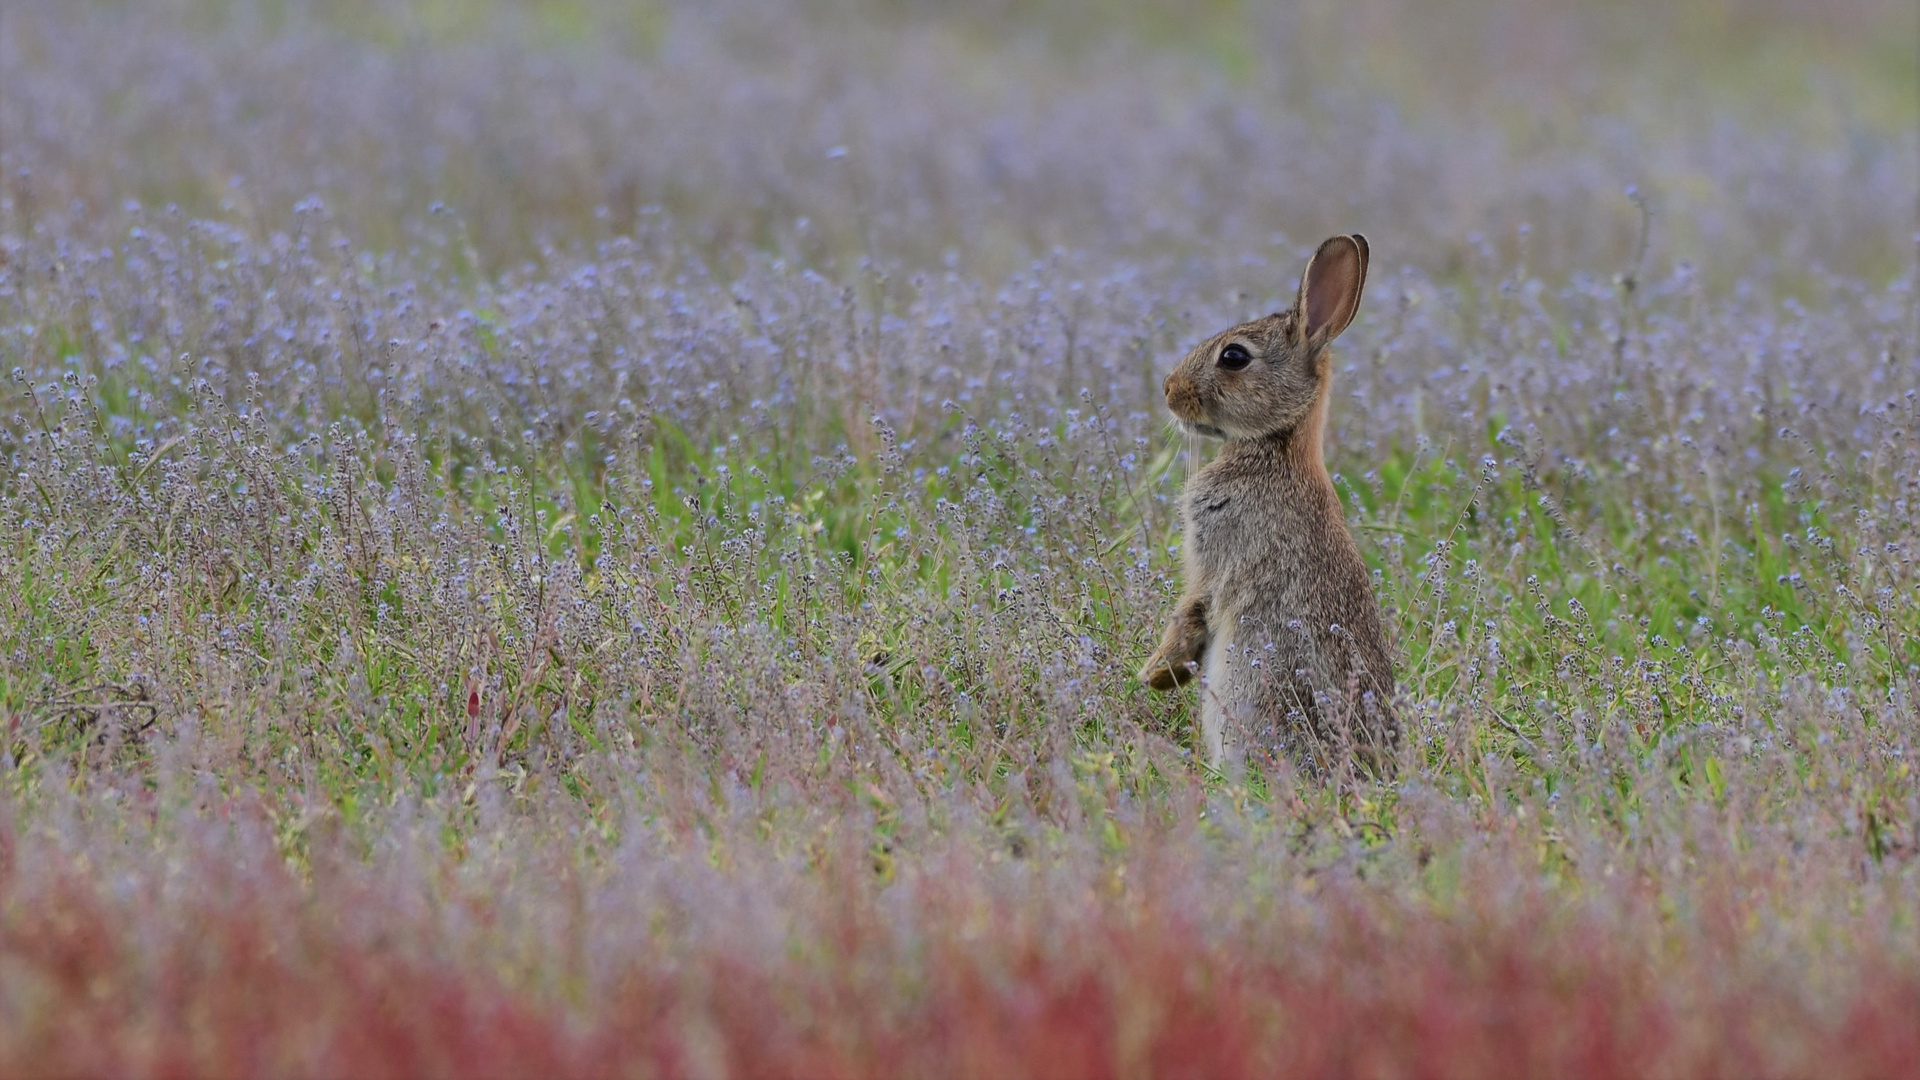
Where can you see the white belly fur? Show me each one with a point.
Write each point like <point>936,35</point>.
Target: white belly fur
<point>1216,698</point>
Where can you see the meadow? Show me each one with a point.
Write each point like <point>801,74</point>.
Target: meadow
<point>563,537</point>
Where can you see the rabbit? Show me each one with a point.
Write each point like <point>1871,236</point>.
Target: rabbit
<point>1278,614</point>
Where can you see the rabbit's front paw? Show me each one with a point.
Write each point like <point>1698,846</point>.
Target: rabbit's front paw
<point>1177,660</point>
<point>1170,668</point>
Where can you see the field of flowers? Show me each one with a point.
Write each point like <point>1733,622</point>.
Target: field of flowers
<point>575,537</point>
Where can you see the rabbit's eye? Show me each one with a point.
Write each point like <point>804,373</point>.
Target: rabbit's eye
<point>1234,357</point>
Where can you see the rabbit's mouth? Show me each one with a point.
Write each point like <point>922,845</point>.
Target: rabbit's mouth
<point>1195,427</point>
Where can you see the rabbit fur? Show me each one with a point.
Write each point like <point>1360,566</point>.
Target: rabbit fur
<point>1278,615</point>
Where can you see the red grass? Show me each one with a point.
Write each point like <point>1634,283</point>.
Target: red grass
<point>231,972</point>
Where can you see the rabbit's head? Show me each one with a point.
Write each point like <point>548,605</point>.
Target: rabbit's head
<point>1264,377</point>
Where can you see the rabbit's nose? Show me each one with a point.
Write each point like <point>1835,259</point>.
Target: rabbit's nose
<point>1182,395</point>
<point>1178,388</point>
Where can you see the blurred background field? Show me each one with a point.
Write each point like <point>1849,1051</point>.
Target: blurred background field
<point>612,538</point>
<point>1770,133</point>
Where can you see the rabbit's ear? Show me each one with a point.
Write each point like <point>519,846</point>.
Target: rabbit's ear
<point>1330,288</point>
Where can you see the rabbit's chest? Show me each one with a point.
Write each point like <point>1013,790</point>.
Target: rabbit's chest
<point>1212,525</point>
<point>1230,526</point>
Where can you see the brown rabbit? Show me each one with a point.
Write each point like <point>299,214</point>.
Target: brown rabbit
<point>1278,605</point>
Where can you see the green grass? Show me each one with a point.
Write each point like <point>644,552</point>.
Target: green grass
<point>1590,598</point>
